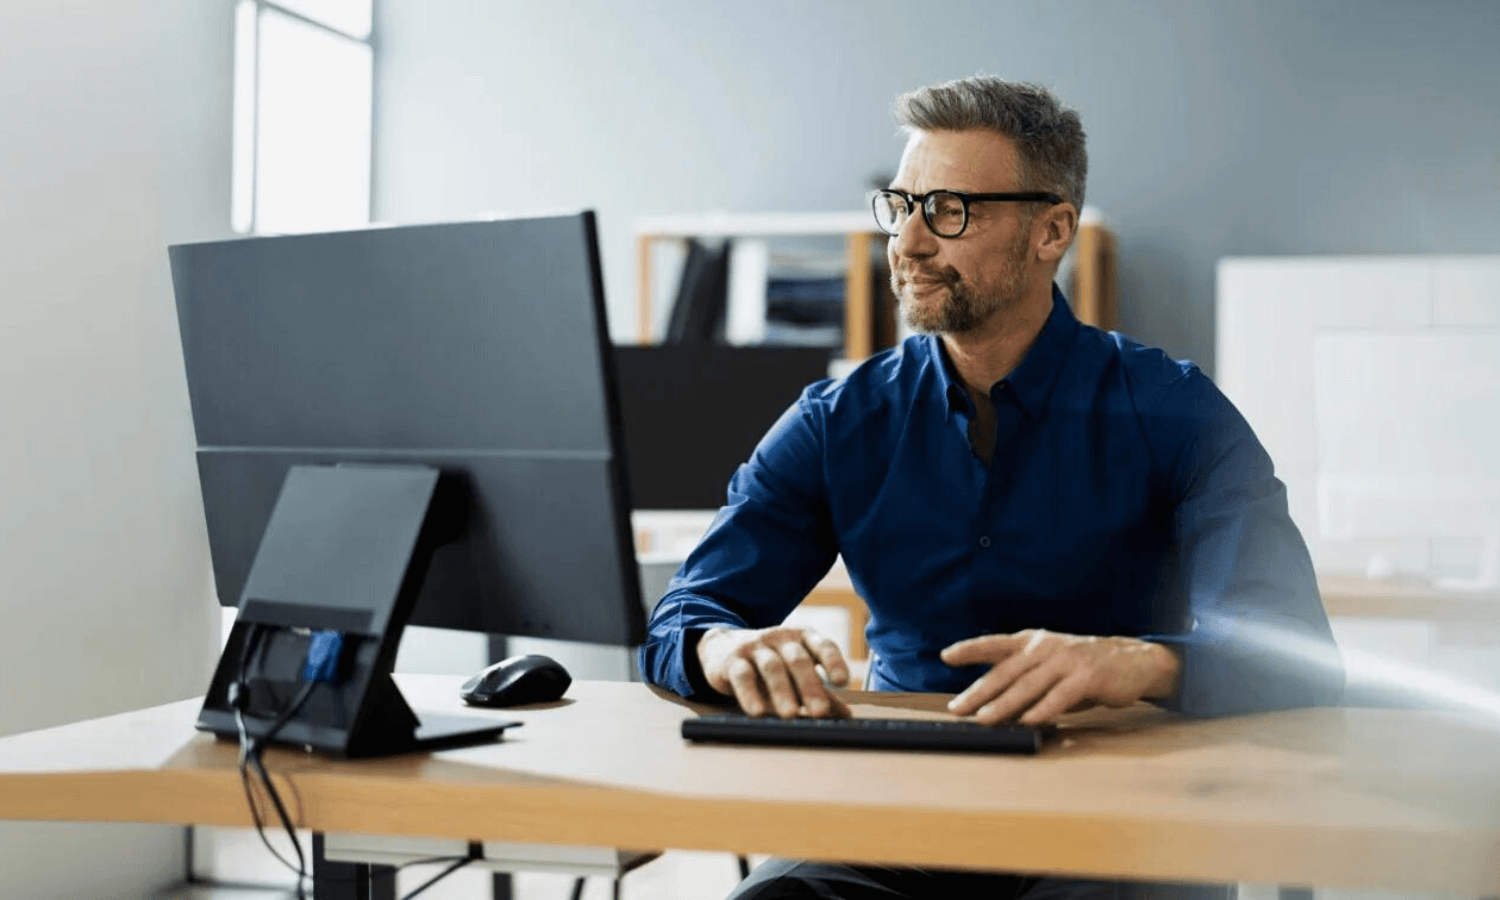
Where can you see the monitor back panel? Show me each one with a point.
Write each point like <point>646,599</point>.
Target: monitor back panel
<point>477,347</point>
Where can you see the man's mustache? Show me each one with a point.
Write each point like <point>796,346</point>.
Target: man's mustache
<point>947,277</point>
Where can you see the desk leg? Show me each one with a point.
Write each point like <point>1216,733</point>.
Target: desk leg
<point>501,887</point>
<point>349,881</point>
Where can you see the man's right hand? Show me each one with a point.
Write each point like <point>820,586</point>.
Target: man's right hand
<point>774,670</point>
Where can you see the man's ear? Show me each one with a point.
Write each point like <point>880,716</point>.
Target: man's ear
<point>1058,225</point>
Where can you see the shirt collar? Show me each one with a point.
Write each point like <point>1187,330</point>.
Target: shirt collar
<point>1032,380</point>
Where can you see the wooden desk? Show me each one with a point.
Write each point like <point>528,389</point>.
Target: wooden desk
<point>1395,598</point>
<point>1395,799</point>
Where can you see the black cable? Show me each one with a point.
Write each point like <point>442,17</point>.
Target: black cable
<point>265,777</point>
<point>250,756</point>
<point>458,864</point>
<point>428,861</point>
<point>260,829</point>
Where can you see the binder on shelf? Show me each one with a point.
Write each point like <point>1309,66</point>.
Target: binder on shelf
<point>699,312</point>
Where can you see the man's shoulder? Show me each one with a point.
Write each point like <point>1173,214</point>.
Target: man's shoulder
<point>1141,364</point>
<point>1148,376</point>
<point>1173,400</point>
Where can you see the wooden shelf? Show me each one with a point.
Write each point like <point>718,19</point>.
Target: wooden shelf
<point>1092,289</point>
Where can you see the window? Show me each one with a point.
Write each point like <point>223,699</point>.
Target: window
<point>303,94</point>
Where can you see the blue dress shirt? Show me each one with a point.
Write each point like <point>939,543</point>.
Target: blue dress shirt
<point>1125,496</point>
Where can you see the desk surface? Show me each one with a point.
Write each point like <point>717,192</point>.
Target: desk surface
<point>1354,797</point>
<point>1406,598</point>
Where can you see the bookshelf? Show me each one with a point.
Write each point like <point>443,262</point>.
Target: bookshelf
<point>857,229</point>
<point>1091,284</point>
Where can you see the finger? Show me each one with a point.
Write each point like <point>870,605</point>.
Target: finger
<point>1064,696</point>
<point>745,686</point>
<point>994,683</point>
<point>805,678</point>
<point>988,648</point>
<point>1021,695</point>
<point>773,671</point>
<point>829,656</point>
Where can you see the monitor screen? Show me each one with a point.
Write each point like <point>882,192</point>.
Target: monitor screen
<point>478,349</point>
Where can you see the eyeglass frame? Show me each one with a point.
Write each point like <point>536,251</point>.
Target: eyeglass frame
<point>919,201</point>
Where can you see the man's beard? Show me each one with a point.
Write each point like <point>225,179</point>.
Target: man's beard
<point>967,307</point>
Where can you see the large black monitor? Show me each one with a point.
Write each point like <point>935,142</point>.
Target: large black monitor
<point>694,412</point>
<point>443,398</point>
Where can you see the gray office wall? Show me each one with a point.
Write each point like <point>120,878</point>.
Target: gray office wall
<point>1217,127</point>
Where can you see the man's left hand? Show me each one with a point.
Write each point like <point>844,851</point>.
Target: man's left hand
<point>1038,675</point>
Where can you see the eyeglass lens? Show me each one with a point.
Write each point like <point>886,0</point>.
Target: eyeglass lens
<point>943,210</point>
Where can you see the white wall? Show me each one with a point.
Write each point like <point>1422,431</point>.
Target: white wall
<point>116,142</point>
<point>1216,127</point>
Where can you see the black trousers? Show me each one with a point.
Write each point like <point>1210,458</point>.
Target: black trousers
<point>787,878</point>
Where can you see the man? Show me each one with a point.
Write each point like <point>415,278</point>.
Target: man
<point>1041,516</point>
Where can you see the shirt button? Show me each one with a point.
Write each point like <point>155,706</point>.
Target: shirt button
<point>984,540</point>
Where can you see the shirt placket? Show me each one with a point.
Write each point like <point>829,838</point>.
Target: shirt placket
<point>990,553</point>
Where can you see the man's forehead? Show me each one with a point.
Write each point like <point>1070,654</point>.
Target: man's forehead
<point>975,160</point>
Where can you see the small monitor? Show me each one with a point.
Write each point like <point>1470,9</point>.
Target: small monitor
<point>437,397</point>
<point>693,413</point>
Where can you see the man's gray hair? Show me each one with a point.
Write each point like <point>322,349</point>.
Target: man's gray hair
<point>1048,136</point>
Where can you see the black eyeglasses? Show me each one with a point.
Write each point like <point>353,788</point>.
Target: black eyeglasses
<point>946,212</point>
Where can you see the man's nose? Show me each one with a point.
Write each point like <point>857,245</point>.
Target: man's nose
<point>915,240</point>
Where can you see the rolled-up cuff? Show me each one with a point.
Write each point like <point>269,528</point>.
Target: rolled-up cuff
<point>1218,679</point>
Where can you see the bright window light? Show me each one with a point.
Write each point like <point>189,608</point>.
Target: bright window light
<point>313,128</point>
<point>303,93</point>
<point>242,199</point>
<point>352,17</point>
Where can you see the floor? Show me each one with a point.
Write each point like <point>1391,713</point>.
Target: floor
<point>241,868</point>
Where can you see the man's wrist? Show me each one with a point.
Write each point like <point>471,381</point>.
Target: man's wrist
<point>692,663</point>
<point>1168,667</point>
<point>697,670</point>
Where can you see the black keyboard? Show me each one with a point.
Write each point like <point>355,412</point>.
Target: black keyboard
<point>878,734</point>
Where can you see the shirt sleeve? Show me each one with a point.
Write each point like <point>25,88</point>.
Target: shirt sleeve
<point>1257,638</point>
<point>769,545</point>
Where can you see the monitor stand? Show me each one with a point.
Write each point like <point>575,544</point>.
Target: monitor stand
<point>346,550</point>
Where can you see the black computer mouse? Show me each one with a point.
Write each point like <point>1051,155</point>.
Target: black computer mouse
<point>532,678</point>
